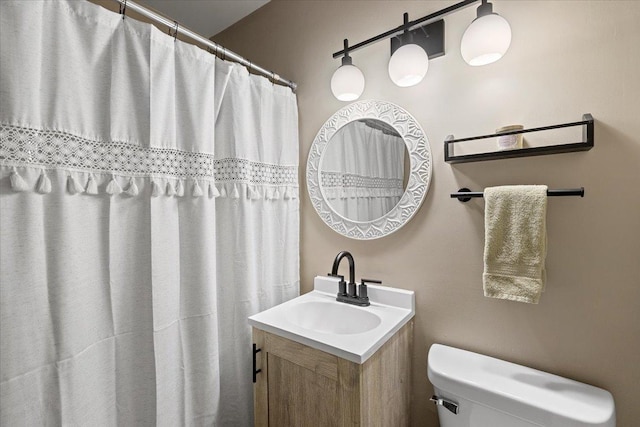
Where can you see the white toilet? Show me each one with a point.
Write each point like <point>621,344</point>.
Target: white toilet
<point>472,390</point>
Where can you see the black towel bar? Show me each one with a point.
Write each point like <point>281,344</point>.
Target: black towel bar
<point>464,194</point>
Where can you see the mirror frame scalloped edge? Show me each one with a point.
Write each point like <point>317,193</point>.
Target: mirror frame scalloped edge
<point>419,176</point>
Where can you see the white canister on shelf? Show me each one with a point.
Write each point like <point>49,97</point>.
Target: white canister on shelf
<point>509,142</point>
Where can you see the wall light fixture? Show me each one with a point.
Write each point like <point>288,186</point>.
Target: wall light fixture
<point>414,43</point>
<point>347,82</point>
<point>409,63</point>
<point>487,38</point>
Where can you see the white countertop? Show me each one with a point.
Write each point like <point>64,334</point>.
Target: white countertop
<point>394,308</point>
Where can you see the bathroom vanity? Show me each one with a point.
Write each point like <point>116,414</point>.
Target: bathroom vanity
<point>322,362</point>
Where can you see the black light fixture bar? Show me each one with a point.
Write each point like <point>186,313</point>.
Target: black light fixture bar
<point>406,26</point>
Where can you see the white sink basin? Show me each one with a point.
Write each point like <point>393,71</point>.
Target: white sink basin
<point>354,333</point>
<point>332,317</point>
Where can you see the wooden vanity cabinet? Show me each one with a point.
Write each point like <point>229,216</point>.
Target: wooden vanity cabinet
<point>301,386</point>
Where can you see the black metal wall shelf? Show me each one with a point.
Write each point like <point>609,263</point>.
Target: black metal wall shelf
<point>586,144</point>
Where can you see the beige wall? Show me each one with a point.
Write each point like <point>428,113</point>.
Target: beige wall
<point>567,58</point>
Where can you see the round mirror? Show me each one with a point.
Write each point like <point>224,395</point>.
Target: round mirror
<point>369,169</point>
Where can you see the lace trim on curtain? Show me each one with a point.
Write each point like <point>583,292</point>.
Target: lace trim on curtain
<point>352,193</point>
<point>338,185</point>
<point>50,149</point>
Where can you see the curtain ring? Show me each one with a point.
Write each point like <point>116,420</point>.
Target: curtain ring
<point>123,8</point>
<point>224,53</point>
<point>213,49</point>
<point>175,31</point>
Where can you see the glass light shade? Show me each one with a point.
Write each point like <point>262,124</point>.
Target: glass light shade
<point>486,40</point>
<point>408,65</point>
<point>347,83</point>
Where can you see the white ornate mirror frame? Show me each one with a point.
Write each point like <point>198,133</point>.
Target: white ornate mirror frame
<point>419,175</point>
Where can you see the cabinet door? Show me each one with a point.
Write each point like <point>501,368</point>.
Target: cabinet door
<point>301,386</point>
<point>299,396</point>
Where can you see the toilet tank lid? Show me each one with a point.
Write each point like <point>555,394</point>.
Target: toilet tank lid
<point>523,392</point>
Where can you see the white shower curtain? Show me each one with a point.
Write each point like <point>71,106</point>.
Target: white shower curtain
<point>362,171</point>
<point>148,196</point>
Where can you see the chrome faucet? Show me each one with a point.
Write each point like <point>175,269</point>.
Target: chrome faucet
<point>350,297</point>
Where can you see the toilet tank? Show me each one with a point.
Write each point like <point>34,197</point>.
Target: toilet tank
<point>489,392</point>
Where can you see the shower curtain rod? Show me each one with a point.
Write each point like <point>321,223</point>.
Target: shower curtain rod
<point>227,54</point>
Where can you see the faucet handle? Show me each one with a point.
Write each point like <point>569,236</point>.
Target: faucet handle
<point>342,285</point>
<point>363,294</point>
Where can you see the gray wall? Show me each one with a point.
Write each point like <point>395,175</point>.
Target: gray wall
<point>567,58</point>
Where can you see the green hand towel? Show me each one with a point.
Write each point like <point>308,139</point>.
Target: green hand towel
<point>515,244</point>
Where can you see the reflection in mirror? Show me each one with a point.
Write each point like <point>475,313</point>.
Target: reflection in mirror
<point>362,171</point>
<point>369,169</point>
